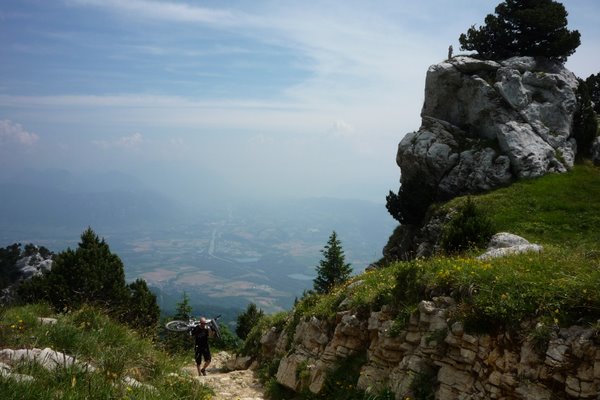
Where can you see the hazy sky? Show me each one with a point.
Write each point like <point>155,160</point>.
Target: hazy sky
<point>303,98</point>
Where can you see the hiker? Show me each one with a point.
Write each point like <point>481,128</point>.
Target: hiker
<point>201,348</point>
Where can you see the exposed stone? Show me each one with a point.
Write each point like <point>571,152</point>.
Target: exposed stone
<point>503,244</point>
<point>287,373</point>
<point>523,106</point>
<point>484,125</point>
<point>556,353</point>
<point>469,366</point>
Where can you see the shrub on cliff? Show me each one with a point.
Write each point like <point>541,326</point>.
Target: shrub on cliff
<point>410,205</point>
<point>585,122</point>
<point>593,85</point>
<point>523,28</point>
<point>468,228</point>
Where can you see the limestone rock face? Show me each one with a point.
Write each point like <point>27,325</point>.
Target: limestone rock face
<point>486,123</point>
<point>458,364</point>
<point>503,244</point>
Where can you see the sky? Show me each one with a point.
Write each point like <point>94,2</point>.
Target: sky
<point>261,98</point>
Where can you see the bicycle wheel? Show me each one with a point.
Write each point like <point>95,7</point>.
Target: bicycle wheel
<point>177,326</point>
<point>215,327</point>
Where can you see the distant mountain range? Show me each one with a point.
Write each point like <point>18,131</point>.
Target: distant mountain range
<point>60,198</point>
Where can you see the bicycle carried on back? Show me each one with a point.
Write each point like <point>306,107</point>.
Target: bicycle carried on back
<point>187,326</point>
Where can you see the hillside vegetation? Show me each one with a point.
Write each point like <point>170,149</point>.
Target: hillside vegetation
<point>116,352</point>
<point>559,209</point>
<point>556,287</point>
<point>528,294</point>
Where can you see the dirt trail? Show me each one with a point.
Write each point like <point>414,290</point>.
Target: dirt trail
<point>234,385</point>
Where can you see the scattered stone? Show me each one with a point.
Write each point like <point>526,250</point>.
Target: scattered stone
<point>504,244</point>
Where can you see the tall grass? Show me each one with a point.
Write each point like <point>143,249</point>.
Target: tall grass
<point>90,336</point>
<point>558,209</point>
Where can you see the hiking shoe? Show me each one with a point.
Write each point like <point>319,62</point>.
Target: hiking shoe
<point>203,371</point>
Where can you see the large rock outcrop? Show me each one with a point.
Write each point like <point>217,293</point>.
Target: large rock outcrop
<point>486,123</point>
<point>564,363</point>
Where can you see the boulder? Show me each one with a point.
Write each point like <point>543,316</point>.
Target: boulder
<point>503,244</point>
<point>485,124</point>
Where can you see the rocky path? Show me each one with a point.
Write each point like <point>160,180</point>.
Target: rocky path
<point>234,385</point>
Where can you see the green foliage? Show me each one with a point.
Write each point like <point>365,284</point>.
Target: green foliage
<point>468,228</point>
<point>535,28</point>
<point>275,391</point>
<point>179,342</point>
<point>93,275</point>
<point>540,338</point>
<point>8,260</point>
<point>340,382</point>
<point>140,309</point>
<point>332,269</point>
<point>252,346</point>
<point>247,319</point>
<point>91,336</point>
<point>557,287</point>
<point>557,209</point>
<point>410,205</point>
<point>593,85</point>
<point>228,340</point>
<point>183,311</point>
<point>585,121</point>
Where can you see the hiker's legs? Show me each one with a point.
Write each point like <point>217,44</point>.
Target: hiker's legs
<point>207,359</point>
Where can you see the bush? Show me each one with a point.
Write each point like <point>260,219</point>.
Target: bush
<point>468,228</point>
<point>585,122</point>
<point>410,205</point>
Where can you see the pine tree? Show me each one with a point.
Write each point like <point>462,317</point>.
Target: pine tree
<point>180,342</point>
<point>247,319</point>
<point>183,311</point>
<point>535,28</point>
<point>93,275</point>
<point>140,309</point>
<point>89,275</point>
<point>332,269</point>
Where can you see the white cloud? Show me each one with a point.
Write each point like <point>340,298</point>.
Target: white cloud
<point>126,142</point>
<point>11,132</point>
<point>161,10</point>
<point>342,128</point>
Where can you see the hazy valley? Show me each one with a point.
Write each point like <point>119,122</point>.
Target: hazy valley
<point>222,256</point>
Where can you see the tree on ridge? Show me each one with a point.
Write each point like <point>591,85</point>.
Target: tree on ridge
<point>332,269</point>
<point>535,28</point>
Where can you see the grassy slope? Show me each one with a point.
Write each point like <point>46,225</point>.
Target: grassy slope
<point>558,209</point>
<point>558,286</point>
<point>90,336</point>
